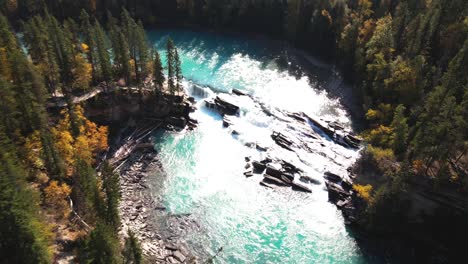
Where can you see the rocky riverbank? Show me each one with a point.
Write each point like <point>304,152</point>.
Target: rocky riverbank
<point>139,209</point>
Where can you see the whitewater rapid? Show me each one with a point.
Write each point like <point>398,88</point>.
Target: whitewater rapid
<point>205,181</point>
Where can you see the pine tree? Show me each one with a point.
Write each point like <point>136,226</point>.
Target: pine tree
<point>101,247</point>
<point>178,71</point>
<point>89,39</point>
<point>142,54</point>
<point>400,131</point>
<point>158,74</point>
<point>86,194</point>
<point>125,59</point>
<point>132,252</point>
<point>25,237</point>
<point>105,68</point>
<point>170,66</point>
<point>111,187</point>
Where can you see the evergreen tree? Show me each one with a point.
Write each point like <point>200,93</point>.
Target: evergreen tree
<point>132,252</point>
<point>86,194</point>
<point>170,47</point>
<point>101,247</point>
<point>141,65</point>
<point>178,71</point>
<point>89,39</point>
<point>125,59</point>
<point>158,74</point>
<point>25,237</point>
<point>111,188</point>
<point>400,131</point>
<point>105,68</point>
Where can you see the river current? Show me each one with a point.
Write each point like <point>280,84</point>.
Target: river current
<point>205,180</point>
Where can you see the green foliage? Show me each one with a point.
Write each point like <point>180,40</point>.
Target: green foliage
<point>158,73</point>
<point>25,237</point>
<point>100,247</point>
<point>170,47</point>
<point>398,140</point>
<point>132,251</point>
<point>111,188</point>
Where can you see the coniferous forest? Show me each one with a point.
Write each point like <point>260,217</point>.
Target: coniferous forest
<point>407,63</point>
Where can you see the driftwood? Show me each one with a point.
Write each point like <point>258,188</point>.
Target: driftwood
<point>78,218</point>
<point>120,156</point>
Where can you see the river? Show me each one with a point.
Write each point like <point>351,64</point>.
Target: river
<point>205,180</point>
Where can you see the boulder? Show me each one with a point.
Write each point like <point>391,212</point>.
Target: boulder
<point>332,177</point>
<point>248,173</point>
<point>336,192</point>
<point>226,107</point>
<point>260,147</point>
<point>238,92</point>
<point>274,170</point>
<point>286,179</point>
<point>302,186</point>
<point>282,140</point>
<point>275,180</point>
<point>179,256</point>
<point>176,121</point>
<point>309,179</point>
<point>258,166</point>
<point>266,184</point>
<point>227,122</point>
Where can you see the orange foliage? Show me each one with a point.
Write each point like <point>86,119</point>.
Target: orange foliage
<point>91,140</point>
<point>418,167</point>
<point>327,16</point>
<point>366,30</point>
<point>56,195</point>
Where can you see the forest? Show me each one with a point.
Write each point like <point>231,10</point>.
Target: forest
<point>407,61</point>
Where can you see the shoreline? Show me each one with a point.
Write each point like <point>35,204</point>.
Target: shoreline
<point>139,208</point>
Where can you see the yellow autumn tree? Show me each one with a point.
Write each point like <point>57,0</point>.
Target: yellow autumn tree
<point>92,139</point>
<point>81,73</point>
<point>363,191</point>
<point>32,149</point>
<point>56,197</point>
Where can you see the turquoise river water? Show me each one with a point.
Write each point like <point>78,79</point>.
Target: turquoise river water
<point>205,167</point>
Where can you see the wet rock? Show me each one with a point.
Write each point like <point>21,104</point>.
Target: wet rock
<point>258,166</point>
<point>275,180</point>
<point>171,246</point>
<point>289,167</point>
<point>274,170</point>
<point>336,192</point>
<point>171,260</point>
<point>302,186</point>
<point>226,107</point>
<point>238,92</point>
<point>267,184</point>
<point>298,117</point>
<point>332,177</point>
<point>227,121</point>
<point>247,159</point>
<point>179,256</point>
<point>248,174</point>
<point>176,121</point>
<point>309,179</point>
<point>346,184</point>
<point>282,140</point>
<point>260,147</point>
<point>286,179</point>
